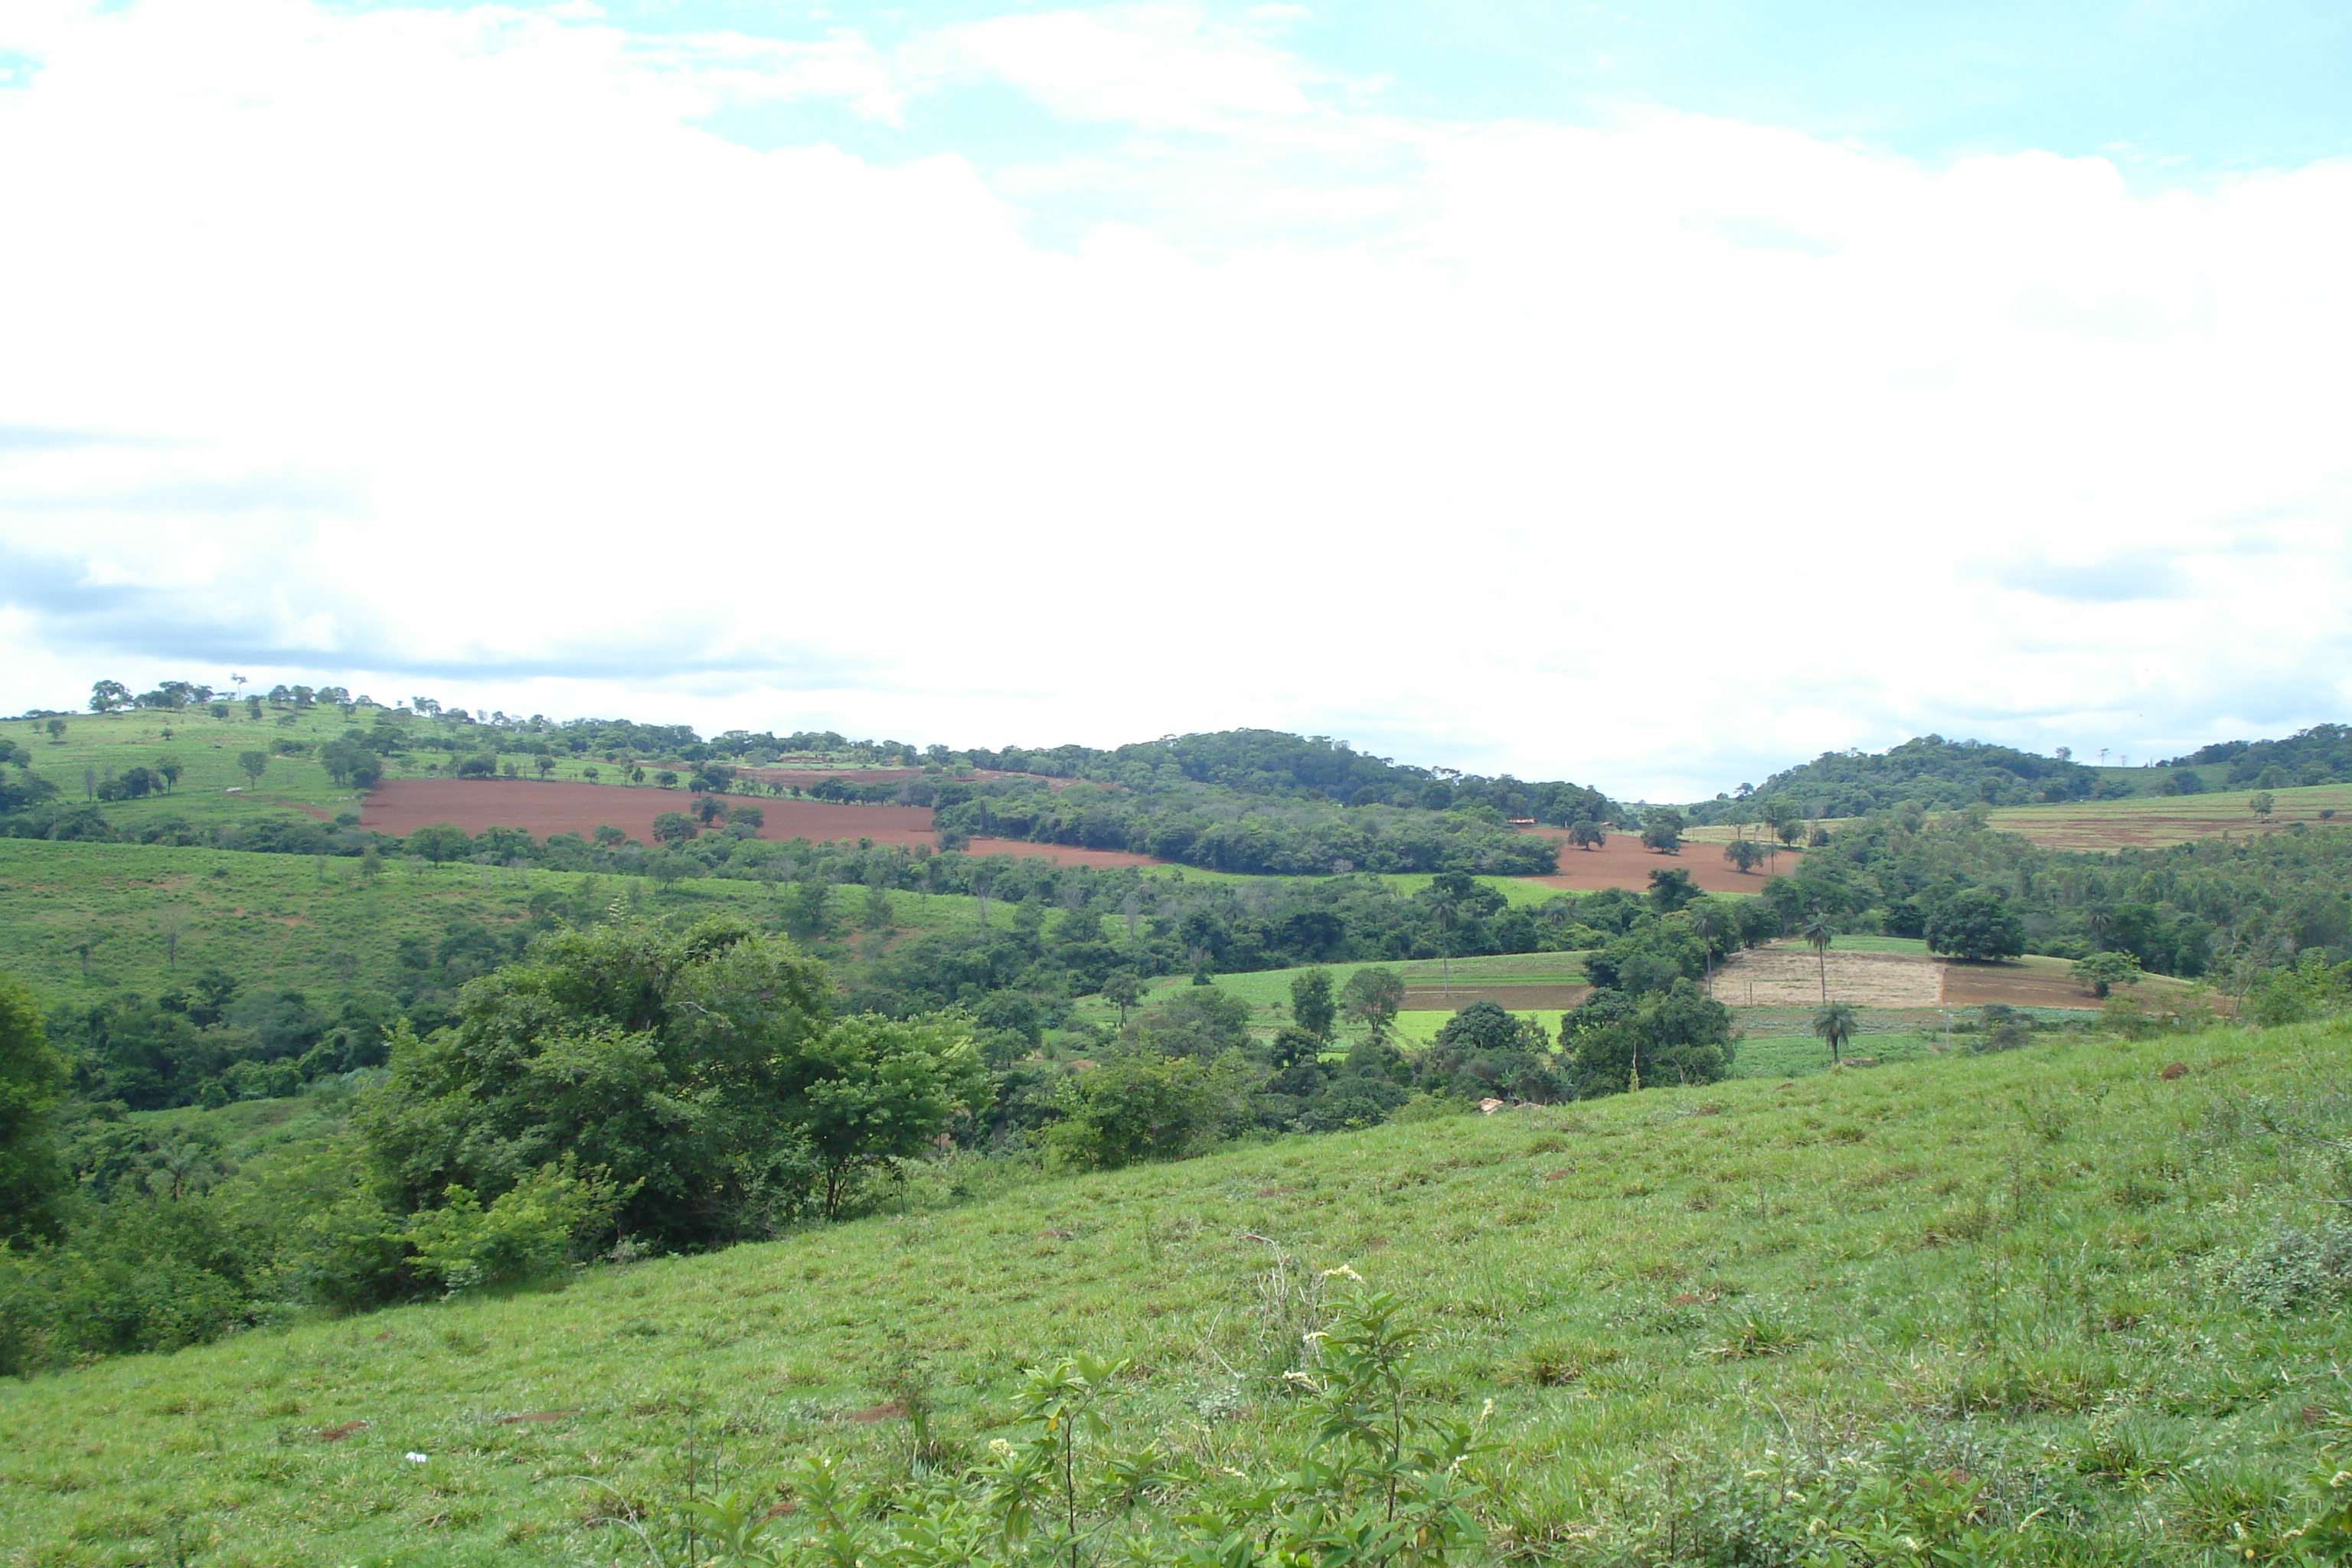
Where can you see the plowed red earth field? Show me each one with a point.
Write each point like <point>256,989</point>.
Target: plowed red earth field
<point>1623,863</point>
<point>402,805</point>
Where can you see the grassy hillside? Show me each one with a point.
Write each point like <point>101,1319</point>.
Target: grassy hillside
<point>281,920</point>
<point>2054,1285</point>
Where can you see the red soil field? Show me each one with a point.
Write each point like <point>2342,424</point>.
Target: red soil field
<point>1623,862</point>
<point>402,805</point>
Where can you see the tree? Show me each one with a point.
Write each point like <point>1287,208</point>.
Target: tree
<point>1588,834</point>
<point>169,770</point>
<point>255,765</point>
<point>1671,889</point>
<point>1976,924</point>
<point>674,828</point>
<point>1836,1023</point>
<point>1372,997</point>
<point>2261,803</point>
<point>1745,853</point>
<point>1311,1002</point>
<point>1132,1109</point>
<point>57,729</point>
<point>1661,829</point>
<point>677,1065</point>
<point>878,1090</point>
<point>1819,932</point>
<point>1122,989</point>
<point>439,842</point>
<point>1444,901</point>
<point>109,696</point>
<point>1616,1042</point>
<point>545,764</point>
<point>33,1180</point>
<point>2102,972</point>
<point>1713,925</point>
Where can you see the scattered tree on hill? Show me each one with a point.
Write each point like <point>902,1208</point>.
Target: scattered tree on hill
<point>1745,853</point>
<point>1661,829</point>
<point>1836,1023</point>
<point>1588,834</point>
<point>2102,972</point>
<point>33,1180</point>
<point>1976,924</point>
<point>1372,997</point>
<point>1311,1002</point>
<point>1122,990</point>
<point>2261,803</point>
<point>255,765</point>
<point>109,697</point>
<point>674,828</point>
<point>1671,887</point>
<point>57,729</point>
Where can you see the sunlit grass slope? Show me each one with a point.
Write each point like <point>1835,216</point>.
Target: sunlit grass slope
<point>2000,1265</point>
<point>294,920</point>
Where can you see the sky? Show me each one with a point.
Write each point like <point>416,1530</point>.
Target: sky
<point>1649,394</point>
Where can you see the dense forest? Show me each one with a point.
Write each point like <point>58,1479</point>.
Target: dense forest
<point>1930,771</point>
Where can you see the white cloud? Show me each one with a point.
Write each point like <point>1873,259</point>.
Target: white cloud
<point>1167,67</point>
<point>1656,453</point>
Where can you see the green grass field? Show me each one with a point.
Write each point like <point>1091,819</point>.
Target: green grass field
<point>2018,1270</point>
<point>284,919</point>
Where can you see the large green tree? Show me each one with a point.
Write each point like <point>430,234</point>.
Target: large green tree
<point>1976,924</point>
<point>700,1071</point>
<point>1372,997</point>
<point>1311,1002</point>
<point>1616,1041</point>
<point>32,1080</point>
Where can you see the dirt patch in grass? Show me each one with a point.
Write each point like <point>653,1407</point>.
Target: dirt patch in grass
<point>1510,998</point>
<point>1623,863</point>
<point>1792,977</point>
<point>2027,985</point>
<point>1788,975</point>
<point>540,808</point>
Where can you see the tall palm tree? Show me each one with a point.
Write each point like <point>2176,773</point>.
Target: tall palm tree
<point>1444,907</point>
<point>1820,934</point>
<point>1836,1023</point>
<point>1707,924</point>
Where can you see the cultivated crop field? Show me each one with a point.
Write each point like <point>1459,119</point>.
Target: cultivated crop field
<point>1623,862</point>
<point>2040,1293</point>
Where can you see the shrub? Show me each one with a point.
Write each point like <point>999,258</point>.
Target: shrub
<point>2288,1271</point>
<point>533,1230</point>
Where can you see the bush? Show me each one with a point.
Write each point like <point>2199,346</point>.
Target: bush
<point>2289,1270</point>
<point>531,1231</point>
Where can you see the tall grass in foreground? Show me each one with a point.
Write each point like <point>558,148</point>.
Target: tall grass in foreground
<point>2047,1306</point>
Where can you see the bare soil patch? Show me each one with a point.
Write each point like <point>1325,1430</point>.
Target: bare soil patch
<point>404,805</point>
<point>1792,977</point>
<point>1623,862</point>
<point>2026,985</point>
<point>1510,998</point>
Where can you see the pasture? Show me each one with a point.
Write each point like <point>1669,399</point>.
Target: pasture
<point>2030,1281</point>
<point>78,920</point>
<point>2153,822</point>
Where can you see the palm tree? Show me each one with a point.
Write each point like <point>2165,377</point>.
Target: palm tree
<point>1820,934</point>
<point>1707,923</point>
<point>1444,905</point>
<point>1836,1023</point>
